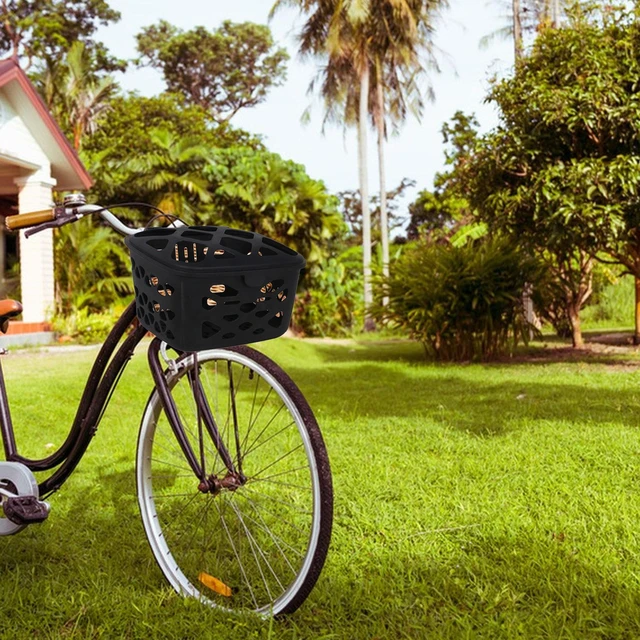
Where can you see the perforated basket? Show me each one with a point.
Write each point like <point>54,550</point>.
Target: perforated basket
<point>205,287</point>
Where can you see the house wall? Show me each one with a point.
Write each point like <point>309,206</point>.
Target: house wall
<point>17,142</point>
<point>26,171</point>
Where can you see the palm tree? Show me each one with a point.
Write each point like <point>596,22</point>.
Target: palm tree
<point>74,94</point>
<point>171,176</point>
<point>359,40</point>
<point>334,33</point>
<point>401,33</point>
<point>526,16</point>
<point>518,47</point>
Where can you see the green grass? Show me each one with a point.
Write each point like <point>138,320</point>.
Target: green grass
<point>472,501</point>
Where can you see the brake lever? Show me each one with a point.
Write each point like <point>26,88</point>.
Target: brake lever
<point>58,222</point>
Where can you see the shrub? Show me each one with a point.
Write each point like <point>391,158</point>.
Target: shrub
<point>461,303</point>
<point>85,327</point>
<point>612,304</point>
<point>331,302</point>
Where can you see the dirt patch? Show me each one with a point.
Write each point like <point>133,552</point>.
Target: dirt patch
<point>613,350</point>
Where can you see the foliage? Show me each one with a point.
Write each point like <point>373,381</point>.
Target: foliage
<point>611,304</point>
<point>85,326</point>
<point>222,71</point>
<point>352,210</point>
<point>125,130</point>
<point>330,304</point>
<point>74,95</point>
<point>259,190</point>
<point>461,303</point>
<point>170,175</point>
<point>242,186</point>
<point>435,214</point>
<point>128,131</point>
<point>44,30</point>
<point>561,171</point>
<point>444,211</point>
<point>91,268</point>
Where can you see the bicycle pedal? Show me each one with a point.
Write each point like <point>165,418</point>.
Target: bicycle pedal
<point>25,510</point>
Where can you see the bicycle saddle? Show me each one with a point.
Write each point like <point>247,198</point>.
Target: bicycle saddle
<point>8,309</point>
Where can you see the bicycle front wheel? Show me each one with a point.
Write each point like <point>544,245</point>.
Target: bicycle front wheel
<point>259,546</point>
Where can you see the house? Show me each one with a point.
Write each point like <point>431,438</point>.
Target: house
<point>35,158</point>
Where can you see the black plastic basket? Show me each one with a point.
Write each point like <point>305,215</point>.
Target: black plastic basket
<point>205,287</point>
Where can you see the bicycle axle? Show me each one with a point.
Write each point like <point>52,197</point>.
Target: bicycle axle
<point>215,485</point>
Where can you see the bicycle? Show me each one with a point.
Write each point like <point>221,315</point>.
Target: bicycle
<point>233,479</point>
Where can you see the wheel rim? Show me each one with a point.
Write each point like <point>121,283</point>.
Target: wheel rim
<point>258,540</point>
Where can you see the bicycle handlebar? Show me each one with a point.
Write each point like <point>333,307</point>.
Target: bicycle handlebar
<point>61,215</point>
<point>30,219</point>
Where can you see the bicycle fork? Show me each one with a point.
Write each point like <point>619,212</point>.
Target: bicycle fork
<point>206,427</point>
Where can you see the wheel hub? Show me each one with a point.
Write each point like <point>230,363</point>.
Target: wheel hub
<point>215,485</point>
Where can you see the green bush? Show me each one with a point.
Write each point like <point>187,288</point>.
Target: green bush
<point>461,303</point>
<point>92,268</point>
<point>612,303</point>
<point>331,303</point>
<point>85,327</point>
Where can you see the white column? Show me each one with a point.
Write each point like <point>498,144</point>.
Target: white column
<point>36,252</point>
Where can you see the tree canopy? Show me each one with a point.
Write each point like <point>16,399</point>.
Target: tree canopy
<point>223,71</point>
<point>44,30</point>
<point>561,172</point>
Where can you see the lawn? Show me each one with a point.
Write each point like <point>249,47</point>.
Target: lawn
<point>473,501</point>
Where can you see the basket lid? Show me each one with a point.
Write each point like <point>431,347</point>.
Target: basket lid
<point>204,248</point>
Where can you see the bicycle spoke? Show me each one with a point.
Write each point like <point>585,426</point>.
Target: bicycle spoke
<point>252,542</point>
<point>276,539</point>
<point>274,514</point>
<point>270,498</point>
<point>273,573</point>
<point>271,437</point>
<point>235,552</point>
<point>284,484</point>
<point>273,417</point>
<point>252,424</point>
<point>280,459</point>
<point>170,464</point>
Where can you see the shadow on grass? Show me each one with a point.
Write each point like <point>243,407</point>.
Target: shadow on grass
<point>602,349</point>
<point>471,401</point>
<point>92,536</point>
<point>456,586</point>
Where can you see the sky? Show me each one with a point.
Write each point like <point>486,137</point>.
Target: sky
<point>416,153</point>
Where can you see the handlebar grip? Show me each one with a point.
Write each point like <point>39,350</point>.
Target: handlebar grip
<point>29,219</point>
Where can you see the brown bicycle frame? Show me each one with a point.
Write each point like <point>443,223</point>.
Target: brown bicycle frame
<point>103,379</point>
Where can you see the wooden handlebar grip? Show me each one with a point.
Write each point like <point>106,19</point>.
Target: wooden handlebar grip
<point>29,219</point>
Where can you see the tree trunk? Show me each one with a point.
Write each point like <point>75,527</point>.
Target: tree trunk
<point>555,13</point>
<point>384,222</point>
<point>573,311</point>
<point>517,30</point>
<point>364,196</point>
<point>636,333</point>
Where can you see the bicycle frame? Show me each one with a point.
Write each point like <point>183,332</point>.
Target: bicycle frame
<point>101,383</point>
<point>204,416</point>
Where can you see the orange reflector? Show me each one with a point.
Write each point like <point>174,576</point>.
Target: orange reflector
<point>214,584</point>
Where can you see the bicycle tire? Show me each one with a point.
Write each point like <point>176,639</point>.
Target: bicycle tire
<point>176,514</point>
